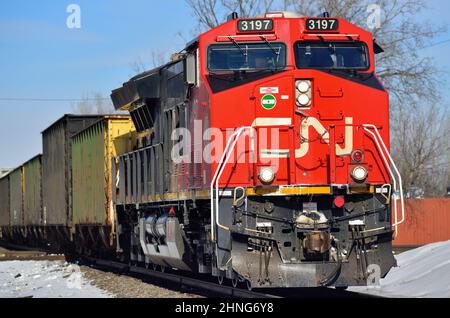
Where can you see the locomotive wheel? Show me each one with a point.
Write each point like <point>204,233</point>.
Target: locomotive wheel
<point>234,282</point>
<point>220,279</point>
<point>162,269</point>
<point>155,267</point>
<point>249,285</point>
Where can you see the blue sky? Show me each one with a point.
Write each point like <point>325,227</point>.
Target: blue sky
<point>41,58</point>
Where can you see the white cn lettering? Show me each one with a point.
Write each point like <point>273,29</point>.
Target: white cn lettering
<point>320,129</point>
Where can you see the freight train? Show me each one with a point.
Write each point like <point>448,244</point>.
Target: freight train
<point>259,154</point>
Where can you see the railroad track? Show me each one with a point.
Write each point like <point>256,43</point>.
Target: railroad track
<point>207,288</point>
<point>213,289</point>
<point>178,281</point>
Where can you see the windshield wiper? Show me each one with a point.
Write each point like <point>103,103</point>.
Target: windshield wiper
<point>277,52</point>
<point>244,52</point>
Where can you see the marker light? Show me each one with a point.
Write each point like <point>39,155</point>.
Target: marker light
<point>357,156</point>
<point>266,175</point>
<point>359,174</point>
<point>339,202</point>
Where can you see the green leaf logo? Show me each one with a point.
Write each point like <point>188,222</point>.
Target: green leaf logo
<point>268,102</point>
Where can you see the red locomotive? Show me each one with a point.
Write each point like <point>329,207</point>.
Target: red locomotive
<point>263,157</point>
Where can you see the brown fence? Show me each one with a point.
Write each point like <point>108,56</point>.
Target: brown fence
<point>427,221</point>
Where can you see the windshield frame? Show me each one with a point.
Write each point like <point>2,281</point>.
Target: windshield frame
<point>282,66</point>
<point>362,43</point>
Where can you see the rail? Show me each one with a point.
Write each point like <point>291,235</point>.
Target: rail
<point>211,289</point>
<point>398,187</point>
<point>179,279</point>
<point>201,284</point>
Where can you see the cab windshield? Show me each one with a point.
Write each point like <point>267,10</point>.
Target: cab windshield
<point>331,55</point>
<point>246,57</point>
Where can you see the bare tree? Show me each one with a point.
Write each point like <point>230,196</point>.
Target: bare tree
<point>155,59</point>
<point>421,142</point>
<point>159,57</point>
<point>211,13</point>
<point>93,104</point>
<point>138,66</point>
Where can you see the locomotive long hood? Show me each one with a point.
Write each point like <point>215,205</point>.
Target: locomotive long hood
<point>141,87</point>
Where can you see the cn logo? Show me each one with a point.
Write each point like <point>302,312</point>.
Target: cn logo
<point>305,129</point>
<point>314,123</point>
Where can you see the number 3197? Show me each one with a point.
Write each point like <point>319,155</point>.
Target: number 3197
<point>321,24</point>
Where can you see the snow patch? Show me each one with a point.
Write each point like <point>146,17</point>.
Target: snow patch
<point>45,279</point>
<point>421,273</point>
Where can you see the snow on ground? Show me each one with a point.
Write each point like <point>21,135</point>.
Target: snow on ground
<point>45,279</point>
<point>422,273</point>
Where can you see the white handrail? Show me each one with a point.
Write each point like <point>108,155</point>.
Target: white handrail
<point>215,180</point>
<point>388,166</point>
<point>399,190</point>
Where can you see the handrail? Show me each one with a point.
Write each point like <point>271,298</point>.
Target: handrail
<point>215,180</point>
<point>397,191</point>
<point>388,166</point>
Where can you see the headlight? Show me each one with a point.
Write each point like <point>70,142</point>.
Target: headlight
<point>266,175</point>
<point>303,93</point>
<point>303,100</point>
<point>359,174</point>
<point>303,86</point>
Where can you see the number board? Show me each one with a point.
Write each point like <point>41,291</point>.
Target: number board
<point>256,25</point>
<point>322,24</point>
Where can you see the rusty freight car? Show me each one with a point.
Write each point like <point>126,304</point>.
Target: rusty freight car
<point>4,207</point>
<point>56,169</point>
<point>32,199</point>
<point>16,202</point>
<point>21,203</point>
<point>93,150</point>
